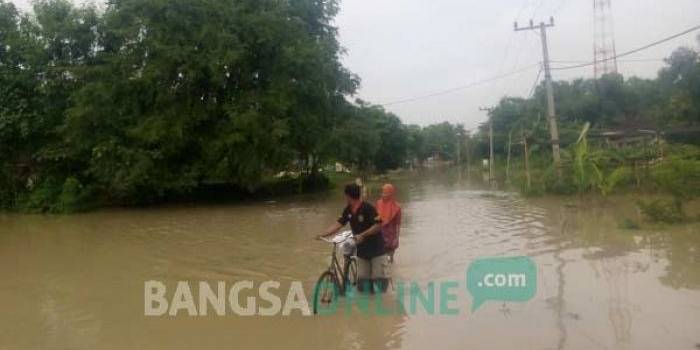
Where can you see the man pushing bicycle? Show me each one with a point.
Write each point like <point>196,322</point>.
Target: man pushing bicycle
<point>365,224</point>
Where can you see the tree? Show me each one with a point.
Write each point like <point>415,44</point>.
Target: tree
<point>441,140</point>
<point>415,144</point>
<point>681,82</point>
<point>151,98</point>
<point>371,139</point>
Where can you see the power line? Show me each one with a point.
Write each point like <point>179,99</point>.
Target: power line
<point>539,73</point>
<point>537,9</point>
<point>463,87</point>
<point>506,53</point>
<point>522,8</point>
<point>582,65</point>
<point>627,53</point>
<point>520,70</point>
<point>537,81</point>
<point>561,4</point>
<point>518,47</point>
<point>627,60</point>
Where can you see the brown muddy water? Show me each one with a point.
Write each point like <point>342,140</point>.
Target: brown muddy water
<point>77,282</point>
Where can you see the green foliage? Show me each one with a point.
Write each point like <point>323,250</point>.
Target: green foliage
<point>441,140</point>
<point>415,143</point>
<point>356,141</point>
<point>629,224</point>
<point>371,139</point>
<point>8,189</point>
<point>392,150</point>
<point>74,197</point>
<point>52,196</point>
<point>679,177</point>
<point>664,211</point>
<point>566,185</point>
<point>669,102</point>
<point>618,176</point>
<point>585,168</point>
<point>148,100</point>
<point>41,197</point>
<point>289,185</point>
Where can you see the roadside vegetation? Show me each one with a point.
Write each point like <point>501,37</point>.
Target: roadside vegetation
<point>617,134</point>
<point>145,101</point>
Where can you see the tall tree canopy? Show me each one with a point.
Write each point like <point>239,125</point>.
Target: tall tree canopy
<point>154,97</point>
<point>148,98</point>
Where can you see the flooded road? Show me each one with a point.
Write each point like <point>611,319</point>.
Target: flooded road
<point>77,282</point>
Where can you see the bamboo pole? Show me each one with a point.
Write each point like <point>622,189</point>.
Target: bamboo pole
<point>510,139</point>
<point>527,163</point>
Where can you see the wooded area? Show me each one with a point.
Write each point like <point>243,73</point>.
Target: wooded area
<point>146,99</point>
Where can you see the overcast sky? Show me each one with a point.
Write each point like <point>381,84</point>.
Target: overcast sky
<point>407,48</point>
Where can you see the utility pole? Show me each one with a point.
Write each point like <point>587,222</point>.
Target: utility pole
<point>459,149</point>
<point>491,156</point>
<point>468,151</point>
<point>551,115</point>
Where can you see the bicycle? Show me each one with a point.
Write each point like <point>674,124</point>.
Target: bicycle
<point>329,286</point>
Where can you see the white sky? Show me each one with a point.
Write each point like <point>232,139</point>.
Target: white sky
<point>407,48</point>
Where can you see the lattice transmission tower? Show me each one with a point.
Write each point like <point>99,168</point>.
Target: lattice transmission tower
<point>603,39</point>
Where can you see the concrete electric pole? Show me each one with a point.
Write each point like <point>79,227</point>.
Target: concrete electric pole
<point>551,114</point>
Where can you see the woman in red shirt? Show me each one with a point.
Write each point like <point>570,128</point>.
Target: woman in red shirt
<point>390,213</point>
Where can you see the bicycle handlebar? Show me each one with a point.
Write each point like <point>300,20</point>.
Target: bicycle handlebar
<point>338,242</point>
<point>336,239</point>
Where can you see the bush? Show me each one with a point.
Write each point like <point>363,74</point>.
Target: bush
<point>291,185</point>
<point>620,176</point>
<point>74,197</point>
<point>8,190</point>
<point>40,197</point>
<point>565,185</point>
<point>679,177</point>
<point>629,224</point>
<point>665,211</point>
<point>52,196</point>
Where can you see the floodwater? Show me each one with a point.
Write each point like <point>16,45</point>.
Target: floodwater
<point>77,282</point>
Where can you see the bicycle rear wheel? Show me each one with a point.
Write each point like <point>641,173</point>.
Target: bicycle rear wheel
<point>326,292</point>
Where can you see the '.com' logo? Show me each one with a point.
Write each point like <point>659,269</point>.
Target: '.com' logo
<point>501,279</point>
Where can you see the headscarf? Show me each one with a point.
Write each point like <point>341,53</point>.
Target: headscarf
<point>387,206</point>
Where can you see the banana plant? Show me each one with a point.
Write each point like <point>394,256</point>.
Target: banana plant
<point>589,172</point>
<point>586,170</point>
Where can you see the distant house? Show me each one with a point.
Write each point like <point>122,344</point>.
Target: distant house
<point>340,168</point>
<point>621,138</point>
<point>633,131</point>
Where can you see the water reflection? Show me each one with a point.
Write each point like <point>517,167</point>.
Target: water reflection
<point>683,254</point>
<point>77,281</point>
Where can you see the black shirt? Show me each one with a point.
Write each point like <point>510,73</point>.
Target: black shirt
<point>365,217</point>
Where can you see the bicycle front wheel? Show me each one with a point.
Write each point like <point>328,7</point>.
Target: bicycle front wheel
<point>326,293</point>
<point>350,272</point>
